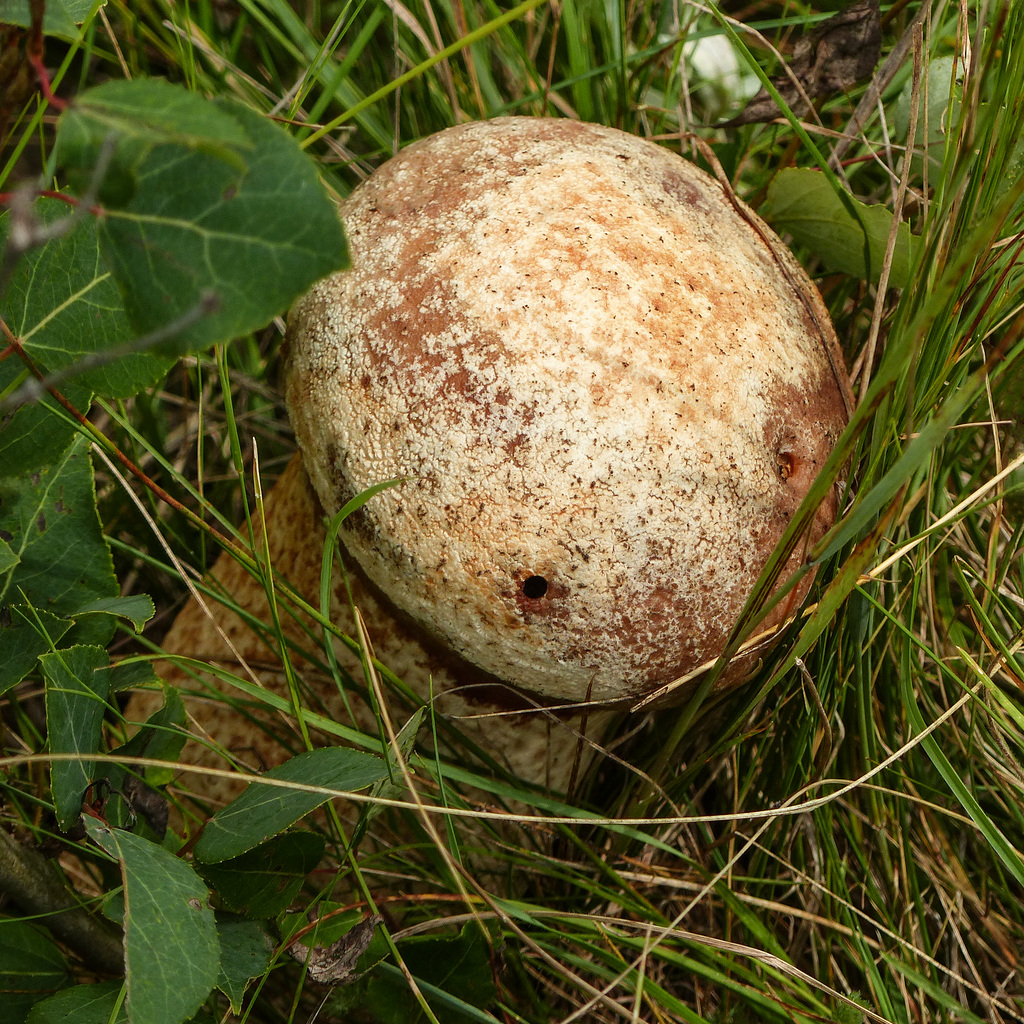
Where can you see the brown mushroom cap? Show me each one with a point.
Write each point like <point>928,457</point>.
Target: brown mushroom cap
<point>605,385</point>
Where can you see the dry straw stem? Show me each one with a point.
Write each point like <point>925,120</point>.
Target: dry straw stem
<point>184,574</point>
<point>572,816</point>
<point>878,309</point>
<point>953,514</point>
<point>626,926</point>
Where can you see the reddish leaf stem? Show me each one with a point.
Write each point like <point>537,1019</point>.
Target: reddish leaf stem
<point>49,193</point>
<point>34,53</point>
<point>147,481</point>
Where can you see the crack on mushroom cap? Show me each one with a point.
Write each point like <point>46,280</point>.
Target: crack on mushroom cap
<point>585,364</point>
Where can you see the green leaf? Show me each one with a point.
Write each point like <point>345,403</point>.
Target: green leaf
<point>454,974</point>
<point>459,965</point>
<point>245,953</point>
<point>390,788</point>
<point>25,633</point>
<point>332,922</point>
<point>171,948</point>
<point>112,906</point>
<point>64,305</point>
<point>77,683</point>
<point>221,203</point>
<point>136,115</point>
<point>802,202</point>
<point>49,519</point>
<point>941,114</point>
<point>36,433</point>
<point>130,674</point>
<point>262,810</point>
<point>162,738</point>
<point>263,882</point>
<point>62,17</point>
<point>82,1004</point>
<point>165,736</point>
<point>1014,169</point>
<point>256,237</point>
<point>150,111</point>
<point>137,608</point>
<point>8,559</point>
<point>31,967</point>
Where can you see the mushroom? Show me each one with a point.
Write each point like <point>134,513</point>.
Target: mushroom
<point>604,385</point>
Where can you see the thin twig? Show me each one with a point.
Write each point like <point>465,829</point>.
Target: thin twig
<point>34,53</point>
<point>34,389</point>
<point>27,232</point>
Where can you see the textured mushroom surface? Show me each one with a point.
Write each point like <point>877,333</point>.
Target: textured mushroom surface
<point>605,386</point>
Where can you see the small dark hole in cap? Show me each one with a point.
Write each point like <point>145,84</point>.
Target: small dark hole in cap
<point>535,586</point>
<point>787,463</point>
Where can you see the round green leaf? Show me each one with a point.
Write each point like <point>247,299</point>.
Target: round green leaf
<point>254,234</point>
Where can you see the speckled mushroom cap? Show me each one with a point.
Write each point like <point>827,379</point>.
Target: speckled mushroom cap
<point>605,386</point>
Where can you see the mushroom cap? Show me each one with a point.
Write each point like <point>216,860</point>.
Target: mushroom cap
<point>604,384</point>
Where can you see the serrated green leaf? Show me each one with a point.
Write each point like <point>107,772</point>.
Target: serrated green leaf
<point>263,882</point>
<point>153,111</point>
<point>25,633</point>
<point>262,810</point>
<point>49,519</point>
<point>138,609</point>
<point>129,674</point>
<point>82,1004</point>
<point>36,433</point>
<point>256,238</point>
<point>162,737</point>
<point>8,559</point>
<point>62,17</point>
<point>171,948</point>
<point>245,953</point>
<point>64,305</point>
<point>77,683</point>
<point>136,115</point>
<point>802,202</point>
